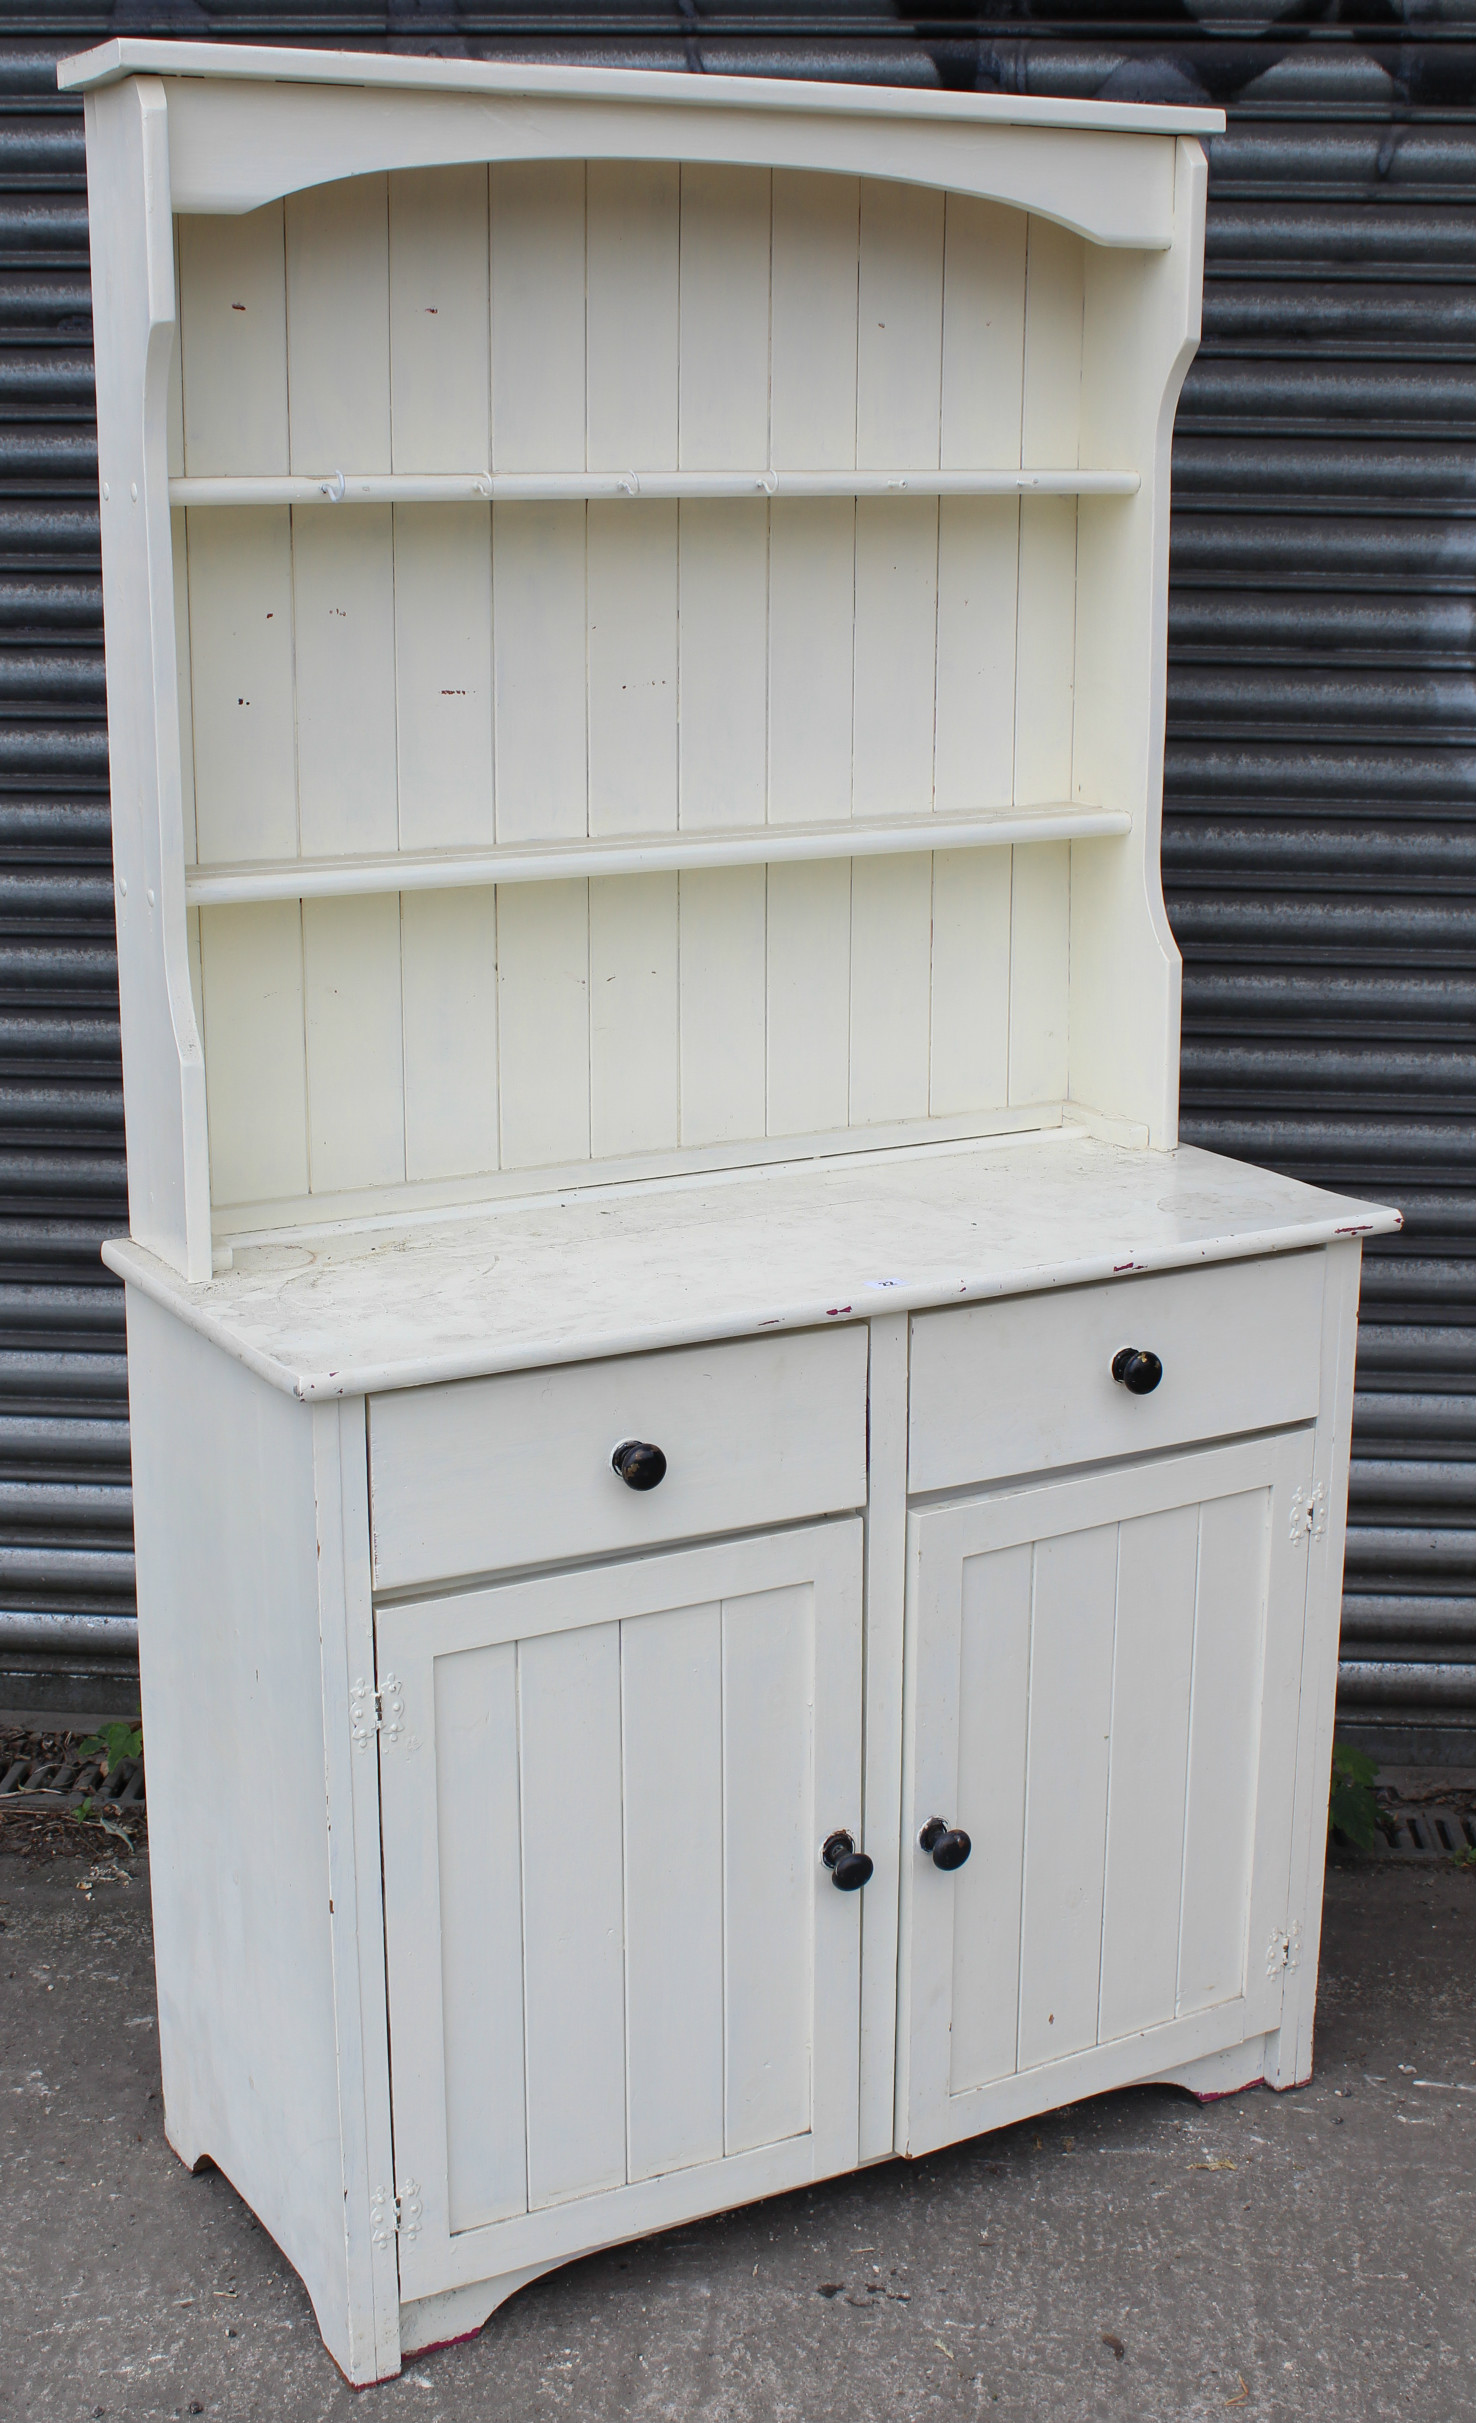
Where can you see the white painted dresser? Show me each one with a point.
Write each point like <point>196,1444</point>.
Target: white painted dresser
<point>769,1546</point>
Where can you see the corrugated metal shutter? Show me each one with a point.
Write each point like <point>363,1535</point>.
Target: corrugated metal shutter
<point>1320,853</point>
<point>66,1548</point>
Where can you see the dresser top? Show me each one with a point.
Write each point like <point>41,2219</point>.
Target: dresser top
<point>624,1269</point>
<point>370,71</point>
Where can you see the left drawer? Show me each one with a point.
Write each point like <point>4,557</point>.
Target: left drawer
<point>483,1475</point>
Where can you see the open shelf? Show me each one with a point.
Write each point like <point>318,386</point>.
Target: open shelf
<point>551,487</point>
<point>550,862</point>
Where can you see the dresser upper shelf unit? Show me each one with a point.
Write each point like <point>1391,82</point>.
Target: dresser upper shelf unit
<point>654,854</point>
<point>565,487</point>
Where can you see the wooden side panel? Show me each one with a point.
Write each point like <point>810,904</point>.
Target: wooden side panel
<point>969,1026</point>
<point>538,422</point>
<point>573,1980</point>
<point>723,1008</point>
<point>1075,1590</point>
<point>543,1022</point>
<point>993,1728</point>
<point>809,996</point>
<point>724,548</point>
<point>674,1769</point>
<point>255,1058</point>
<point>448,964</point>
<point>1157,1573</point>
<point>1224,1747</point>
<point>634,1086</point>
<point>812,543</point>
<point>351,988</point>
<point>633,251</point>
<point>481,1924</point>
<point>768,1877</point>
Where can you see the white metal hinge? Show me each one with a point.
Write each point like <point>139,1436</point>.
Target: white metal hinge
<point>1284,1951</point>
<point>1308,1514</point>
<point>371,1711</point>
<point>395,2216</point>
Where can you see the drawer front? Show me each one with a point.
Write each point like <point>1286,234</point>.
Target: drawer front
<point>487,1474</point>
<point>1025,1384</point>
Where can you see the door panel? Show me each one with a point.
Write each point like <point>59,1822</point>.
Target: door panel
<point>622,1986</point>
<point>1103,1678</point>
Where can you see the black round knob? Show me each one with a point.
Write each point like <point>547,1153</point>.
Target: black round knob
<point>1137,1370</point>
<point>948,1845</point>
<point>849,1868</point>
<point>639,1465</point>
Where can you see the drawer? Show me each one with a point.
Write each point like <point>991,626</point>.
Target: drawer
<point>1025,1383</point>
<point>486,1474</point>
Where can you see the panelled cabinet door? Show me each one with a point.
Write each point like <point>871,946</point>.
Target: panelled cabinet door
<point>623,1989</point>
<point>1104,1676</point>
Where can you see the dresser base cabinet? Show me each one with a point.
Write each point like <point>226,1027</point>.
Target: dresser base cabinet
<point>522,1941</point>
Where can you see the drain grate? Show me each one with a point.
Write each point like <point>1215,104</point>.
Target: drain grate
<point>45,1773</point>
<point>1411,1832</point>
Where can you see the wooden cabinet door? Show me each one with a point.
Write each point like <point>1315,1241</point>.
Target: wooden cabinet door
<point>623,1989</point>
<point>1103,1684</point>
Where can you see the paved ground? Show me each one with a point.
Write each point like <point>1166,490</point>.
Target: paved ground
<point>1307,2256</point>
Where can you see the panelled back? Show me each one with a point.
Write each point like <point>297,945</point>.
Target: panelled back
<point>442,677</point>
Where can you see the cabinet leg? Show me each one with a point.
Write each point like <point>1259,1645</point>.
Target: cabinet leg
<point>459,2313</point>
<point>1227,2073</point>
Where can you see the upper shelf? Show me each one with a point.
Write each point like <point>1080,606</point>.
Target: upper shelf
<point>545,487</point>
<point>663,853</point>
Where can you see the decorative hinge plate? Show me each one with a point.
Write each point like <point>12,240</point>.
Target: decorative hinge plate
<point>1284,1951</point>
<point>1308,1514</point>
<point>395,2216</point>
<point>371,1711</point>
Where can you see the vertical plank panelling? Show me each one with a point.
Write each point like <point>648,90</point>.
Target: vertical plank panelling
<point>1224,1745</point>
<point>478,1857</point>
<point>672,1715</point>
<point>179,554</point>
<point>1066,1792</point>
<point>898,362</point>
<point>448,952</point>
<point>443,570</point>
<point>633,1014</point>
<point>808,1022</point>
<point>891,944</point>
<point>978,562</point>
<point>1040,970</point>
<point>899,326</point>
<point>768,1856</point>
<point>569,1691</point>
<point>1157,1563</point>
<point>632,309</point>
<point>812,542</point>
<point>241,683</point>
<point>344,620</point>
<point>979,537</point>
<point>723,1011</point>
<point>983,335</point>
<point>1046,637</point>
<point>724,548</point>
<point>233,343</point>
<point>337,244</point>
<point>993,1714</point>
<point>351,987</point>
<point>970,1021</point>
<point>255,1072</point>
<point>543,1022</point>
<point>439,303</point>
<point>538,553</point>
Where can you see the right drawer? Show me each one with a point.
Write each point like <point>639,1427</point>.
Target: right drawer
<point>1024,1383</point>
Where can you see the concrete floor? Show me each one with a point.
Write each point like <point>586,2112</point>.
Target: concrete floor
<point>1303,2256</point>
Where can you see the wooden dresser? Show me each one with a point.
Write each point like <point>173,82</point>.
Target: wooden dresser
<point>769,1543</point>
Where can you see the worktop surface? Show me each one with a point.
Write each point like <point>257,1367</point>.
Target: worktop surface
<point>618,1270</point>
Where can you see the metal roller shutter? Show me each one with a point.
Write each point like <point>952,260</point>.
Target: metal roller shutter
<point>1320,854</point>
